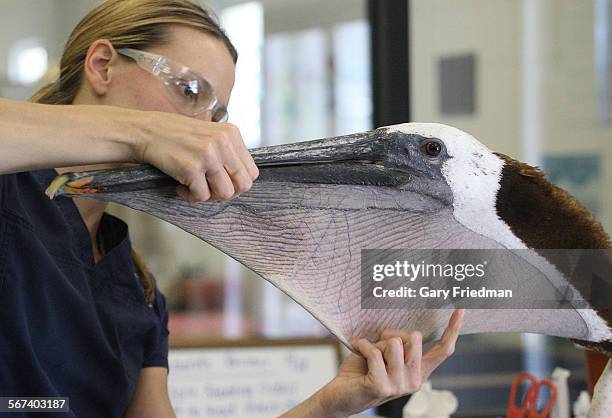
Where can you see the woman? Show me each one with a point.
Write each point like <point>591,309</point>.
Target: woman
<point>146,81</point>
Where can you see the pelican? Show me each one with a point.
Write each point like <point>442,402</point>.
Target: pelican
<point>317,204</point>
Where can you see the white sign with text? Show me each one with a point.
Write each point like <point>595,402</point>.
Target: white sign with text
<point>254,382</point>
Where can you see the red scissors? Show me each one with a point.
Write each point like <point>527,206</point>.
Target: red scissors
<point>529,407</point>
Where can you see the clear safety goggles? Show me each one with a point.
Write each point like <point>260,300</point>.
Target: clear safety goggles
<point>192,93</point>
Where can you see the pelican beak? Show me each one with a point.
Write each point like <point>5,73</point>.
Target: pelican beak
<point>374,158</point>
<point>359,159</point>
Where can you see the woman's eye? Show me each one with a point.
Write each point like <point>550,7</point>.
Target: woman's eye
<point>190,90</point>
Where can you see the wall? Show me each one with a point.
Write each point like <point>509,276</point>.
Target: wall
<point>45,24</point>
<point>571,125</point>
<point>490,30</point>
<point>536,87</point>
<point>293,15</point>
<point>49,20</point>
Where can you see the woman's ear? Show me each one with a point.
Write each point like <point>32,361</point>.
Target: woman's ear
<point>98,65</point>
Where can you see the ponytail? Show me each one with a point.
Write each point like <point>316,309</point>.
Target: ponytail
<point>145,276</point>
<point>44,95</point>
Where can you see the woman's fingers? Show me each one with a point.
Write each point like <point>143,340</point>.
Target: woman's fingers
<point>238,174</point>
<point>229,176</point>
<point>192,197</point>
<point>412,340</point>
<point>444,347</point>
<point>209,159</point>
<point>244,155</point>
<point>376,364</point>
<point>416,367</point>
<point>405,351</point>
<point>393,354</point>
<point>237,161</point>
<point>225,173</point>
<point>413,357</point>
<point>396,364</point>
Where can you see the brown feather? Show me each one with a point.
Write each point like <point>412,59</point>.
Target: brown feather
<point>545,216</point>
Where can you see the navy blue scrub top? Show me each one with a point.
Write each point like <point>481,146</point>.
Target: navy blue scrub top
<point>68,326</point>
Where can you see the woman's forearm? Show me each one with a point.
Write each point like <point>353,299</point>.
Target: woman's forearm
<point>313,407</point>
<point>35,136</point>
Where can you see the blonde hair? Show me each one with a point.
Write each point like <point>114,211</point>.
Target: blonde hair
<point>138,24</point>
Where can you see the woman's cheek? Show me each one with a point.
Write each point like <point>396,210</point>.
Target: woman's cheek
<point>157,102</point>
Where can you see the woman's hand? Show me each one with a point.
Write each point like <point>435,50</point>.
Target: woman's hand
<point>392,367</point>
<point>210,160</point>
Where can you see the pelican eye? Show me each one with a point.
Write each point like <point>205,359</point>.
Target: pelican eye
<point>431,148</point>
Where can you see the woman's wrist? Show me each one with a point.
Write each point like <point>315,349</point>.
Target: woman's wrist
<point>121,132</point>
<point>135,132</point>
<point>321,404</point>
<point>93,134</point>
<point>329,398</point>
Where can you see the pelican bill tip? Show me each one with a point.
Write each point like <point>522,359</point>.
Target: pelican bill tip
<point>67,185</point>
<point>57,186</point>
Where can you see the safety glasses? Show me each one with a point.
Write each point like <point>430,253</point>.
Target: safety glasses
<point>191,93</point>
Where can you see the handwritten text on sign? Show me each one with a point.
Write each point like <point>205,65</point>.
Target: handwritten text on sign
<point>254,382</point>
